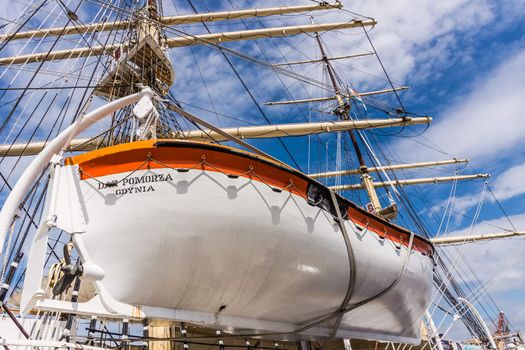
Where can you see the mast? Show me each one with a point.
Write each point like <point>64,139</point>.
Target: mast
<point>342,114</point>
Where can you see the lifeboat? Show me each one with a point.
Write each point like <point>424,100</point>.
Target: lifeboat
<point>222,237</point>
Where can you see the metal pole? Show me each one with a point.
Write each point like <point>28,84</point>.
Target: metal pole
<point>342,114</point>
<point>474,238</point>
<point>483,324</point>
<point>404,182</point>
<point>388,168</point>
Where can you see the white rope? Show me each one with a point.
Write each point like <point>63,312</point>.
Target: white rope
<point>483,288</point>
<point>448,210</point>
<point>29,100</point>
<point>338,159</point>
<point>458,258</point>
<point>101,13</point>
<point>448,275</point>
<point>20,51</point>
<point>25,12</point>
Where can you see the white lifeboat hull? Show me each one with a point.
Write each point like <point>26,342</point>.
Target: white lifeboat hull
<point>207,243</point>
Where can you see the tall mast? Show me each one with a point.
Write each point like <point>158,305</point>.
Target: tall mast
<point>342,113</point>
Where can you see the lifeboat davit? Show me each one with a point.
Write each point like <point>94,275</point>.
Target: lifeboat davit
<point>224,238</point>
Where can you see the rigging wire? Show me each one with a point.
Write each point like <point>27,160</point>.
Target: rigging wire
<point>61,87</point>
<point>444,267</point>
<point>4,43</point>
<point>501,208</point>
<point>475,326</point>
<point>225,50</point>
<point>52,128</point>
<point>384,70</point>
<point>13,109</point>
<point>248,91</point>
<point>287,88</point>
<point>43,116</point>
<point>205,86</point>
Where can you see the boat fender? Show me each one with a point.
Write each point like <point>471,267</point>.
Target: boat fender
<point>92,272</point>
<point>143,108</point>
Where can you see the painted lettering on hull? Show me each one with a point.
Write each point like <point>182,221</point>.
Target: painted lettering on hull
<point>132,190</point>
<point>135,182</point>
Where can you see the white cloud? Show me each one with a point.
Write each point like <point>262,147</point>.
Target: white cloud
<point>507,185</point>
<point>485,123</point>
<point>510,183</point>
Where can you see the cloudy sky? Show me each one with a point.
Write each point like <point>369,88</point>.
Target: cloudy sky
<point>464,61</point>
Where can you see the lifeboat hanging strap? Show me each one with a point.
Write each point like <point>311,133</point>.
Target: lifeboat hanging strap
<point>351,263</point>
<point>352,307</point>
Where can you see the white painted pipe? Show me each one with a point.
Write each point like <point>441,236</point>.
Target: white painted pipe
<point>19,191</point>
<point>434,331</point>
<point>478,316</point>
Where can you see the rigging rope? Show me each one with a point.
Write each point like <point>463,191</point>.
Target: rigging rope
<point>384,71</point>
<point>248,91</point>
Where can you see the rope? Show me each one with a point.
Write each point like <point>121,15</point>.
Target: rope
<point>30,82</point>
<point>352,266</point>
<point>386,73</point>
<point>248,91</point>
<point>459,256</point>
<point>7,40</point>
<point>501,208</point>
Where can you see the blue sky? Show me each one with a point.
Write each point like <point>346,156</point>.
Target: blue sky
<point>465,63</point>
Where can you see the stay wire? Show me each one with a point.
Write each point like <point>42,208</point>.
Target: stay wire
<point>12,35</point>
<point>386,73</point>
<point>56,41</point>
<point>453,264</point>
<point>289,93</point>
<point>225,50</point>
<point>501,208</point>
<point>53,128</point>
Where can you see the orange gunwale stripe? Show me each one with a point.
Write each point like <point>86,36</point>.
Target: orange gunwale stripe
<point>129,156</point>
